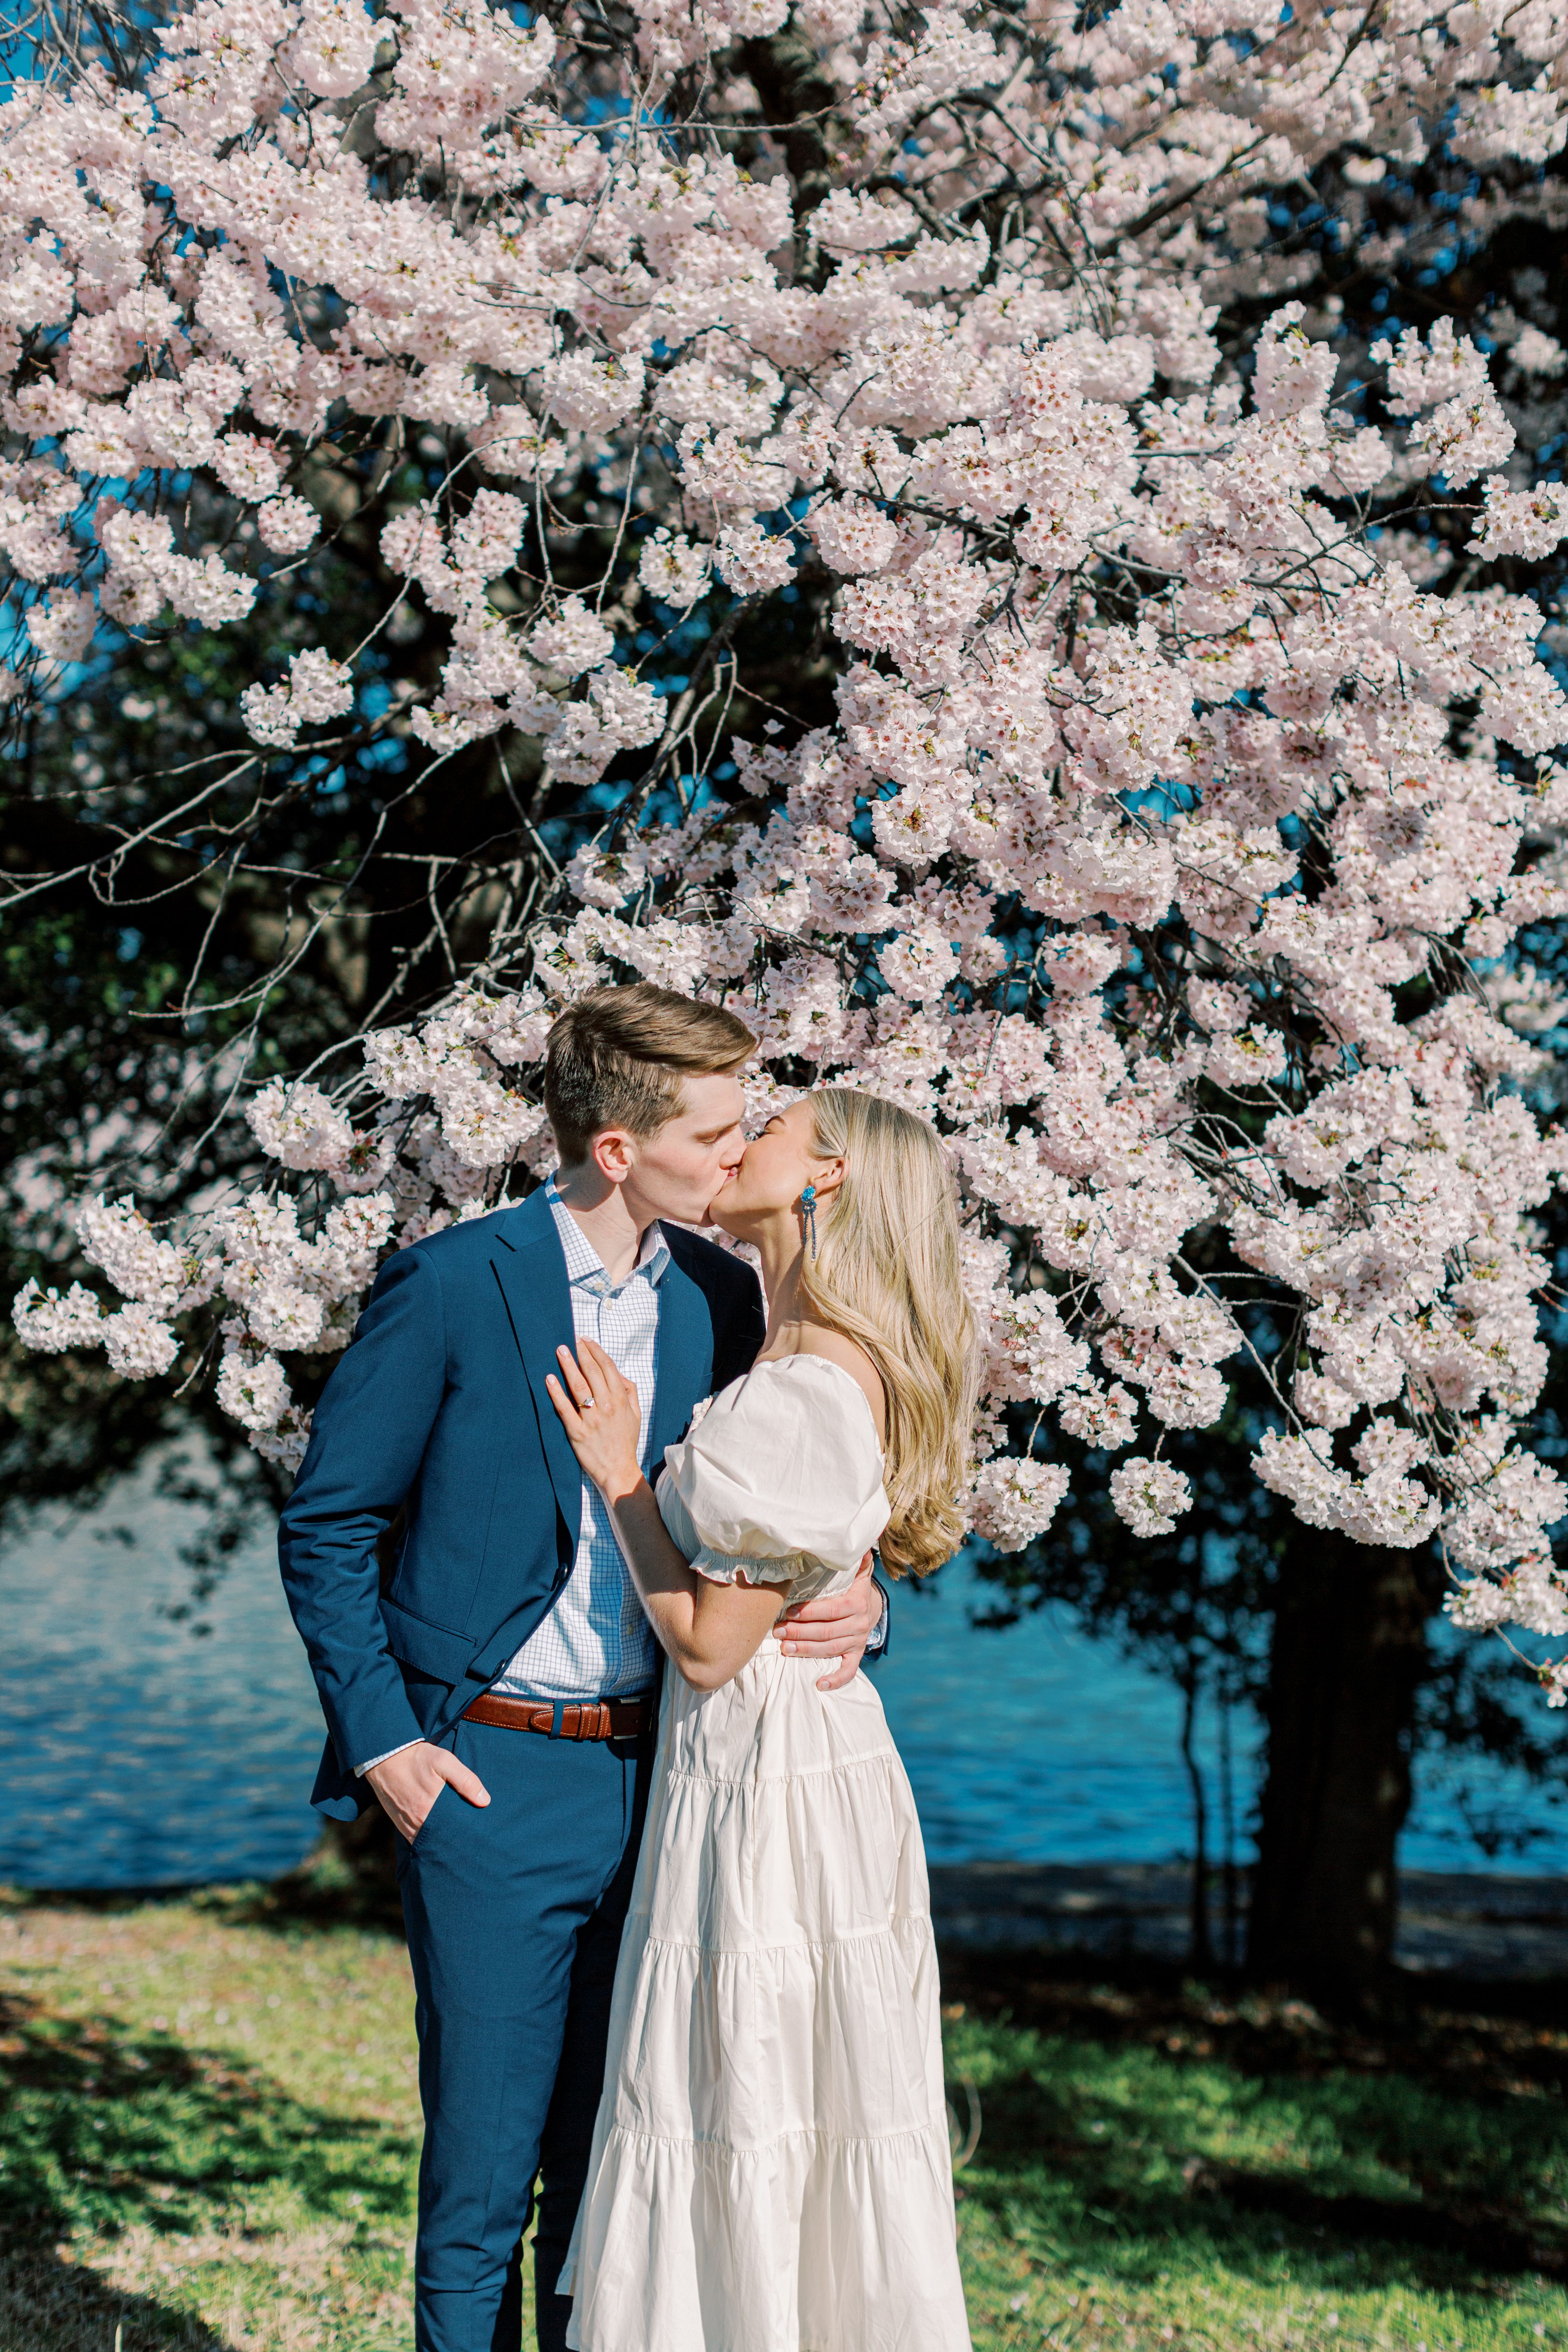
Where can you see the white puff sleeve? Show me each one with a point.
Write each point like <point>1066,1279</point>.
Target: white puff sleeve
<point>781,1475</point>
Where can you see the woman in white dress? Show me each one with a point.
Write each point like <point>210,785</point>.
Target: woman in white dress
<point>770,2169</point>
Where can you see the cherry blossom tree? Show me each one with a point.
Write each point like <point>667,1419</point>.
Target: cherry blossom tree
<point>873,501</point>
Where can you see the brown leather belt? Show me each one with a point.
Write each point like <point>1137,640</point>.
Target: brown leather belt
<point>594,1718</point>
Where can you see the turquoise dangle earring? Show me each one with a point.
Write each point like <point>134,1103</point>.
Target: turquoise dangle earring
<point>808,1203</point>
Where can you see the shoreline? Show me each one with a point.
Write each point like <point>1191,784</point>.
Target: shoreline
<point>1480,1925</point>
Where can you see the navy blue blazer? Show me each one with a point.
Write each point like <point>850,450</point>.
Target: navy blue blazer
<point>439,1408</point>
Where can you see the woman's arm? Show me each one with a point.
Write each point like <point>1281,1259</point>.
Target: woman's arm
<point>708,1630</point>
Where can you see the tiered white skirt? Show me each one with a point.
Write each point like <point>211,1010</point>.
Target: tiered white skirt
<point>770,2169</point>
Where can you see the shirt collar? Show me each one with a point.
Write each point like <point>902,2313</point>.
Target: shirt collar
<point>585,1267</point>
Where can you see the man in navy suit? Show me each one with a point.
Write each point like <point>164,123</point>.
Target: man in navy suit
<point>497,1691</point>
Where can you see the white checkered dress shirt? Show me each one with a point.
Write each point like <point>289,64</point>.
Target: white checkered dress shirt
<point>596,1642</point>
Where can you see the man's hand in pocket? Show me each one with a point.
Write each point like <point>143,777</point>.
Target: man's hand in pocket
<point>406,1785</point>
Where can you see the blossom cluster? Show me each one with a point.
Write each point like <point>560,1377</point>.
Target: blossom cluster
<point>1169,826</point>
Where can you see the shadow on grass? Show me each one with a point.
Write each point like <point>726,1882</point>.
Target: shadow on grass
<point>102,2128</point>
<point>49,2305</point>
<point>1146,2114</point>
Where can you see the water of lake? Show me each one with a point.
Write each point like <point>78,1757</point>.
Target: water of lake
<point>134,1753</point>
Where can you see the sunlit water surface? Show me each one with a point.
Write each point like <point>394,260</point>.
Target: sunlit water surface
<point>136,1753</point>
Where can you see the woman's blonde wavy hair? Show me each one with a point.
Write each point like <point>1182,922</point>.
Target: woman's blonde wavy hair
<point>886,1275</point>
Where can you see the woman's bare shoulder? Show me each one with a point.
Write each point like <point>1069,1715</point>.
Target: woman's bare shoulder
<point>816,1340</point>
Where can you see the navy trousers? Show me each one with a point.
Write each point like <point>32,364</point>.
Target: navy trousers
<point>514,1914</point>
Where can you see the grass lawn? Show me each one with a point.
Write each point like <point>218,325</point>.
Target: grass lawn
<point>209,2131</point>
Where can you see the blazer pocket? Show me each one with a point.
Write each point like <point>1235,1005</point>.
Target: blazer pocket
<point>429,1649</point>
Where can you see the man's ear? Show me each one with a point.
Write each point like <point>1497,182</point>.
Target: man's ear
<point>614,1153</point>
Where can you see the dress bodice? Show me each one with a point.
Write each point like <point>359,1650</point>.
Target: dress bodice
<point>779,1479</point>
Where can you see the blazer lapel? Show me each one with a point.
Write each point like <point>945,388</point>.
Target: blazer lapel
<point>532,1271</point>
<point>684,1362</point>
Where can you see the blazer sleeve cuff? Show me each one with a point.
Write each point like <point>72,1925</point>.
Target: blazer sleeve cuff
<point>366,1726</point>
<point>372,1761</point>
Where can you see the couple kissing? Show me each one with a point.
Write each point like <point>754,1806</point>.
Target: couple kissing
<point>661,1872</point>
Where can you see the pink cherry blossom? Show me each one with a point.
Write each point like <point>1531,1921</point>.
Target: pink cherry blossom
<point>1165,823</point>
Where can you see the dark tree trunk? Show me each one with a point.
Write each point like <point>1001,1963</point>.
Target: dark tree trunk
<point>795,89</point>
<point>1349,1653</point>
<point>1200,1948</point>
<point>349,1876</point>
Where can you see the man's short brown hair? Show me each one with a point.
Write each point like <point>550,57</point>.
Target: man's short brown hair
<point>617,1056</point>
